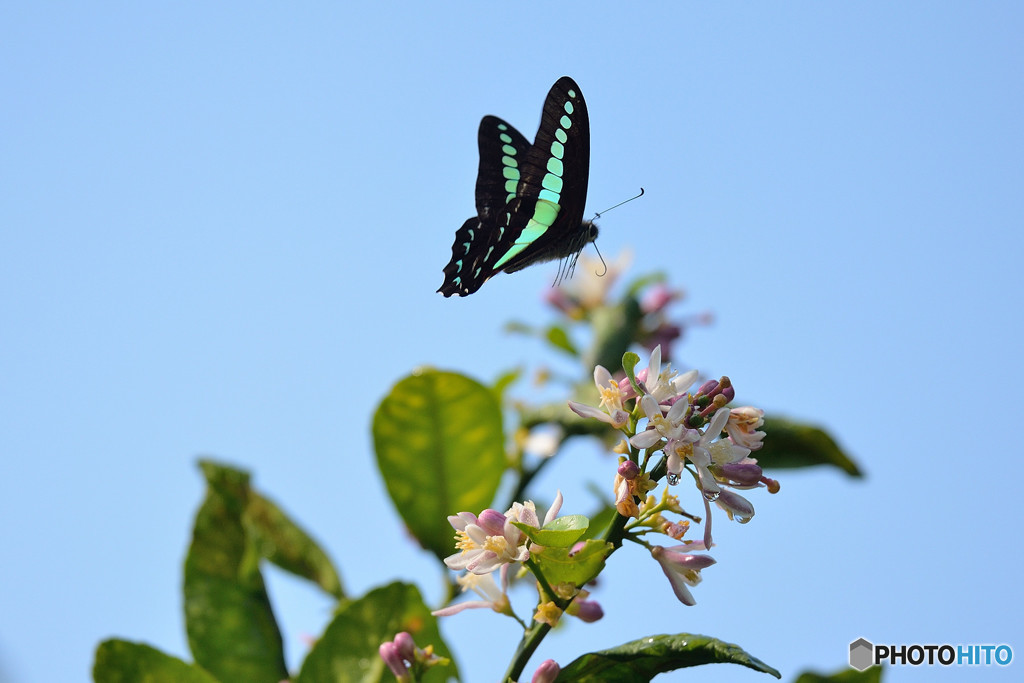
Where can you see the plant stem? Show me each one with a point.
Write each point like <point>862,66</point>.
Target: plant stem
<point>527,646</point>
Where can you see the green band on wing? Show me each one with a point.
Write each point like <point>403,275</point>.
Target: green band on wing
<point>507,139</point>
<point>568,107</point>
<point>509,161</point>
<point>560,134</point>
<point>553,183</point>
<point>509,150</point>
<point>510,173</point>
<point>565,122</point>
<point>544,215</point>
<point>557,150</point>
<point>550,195</point>
<point>555,166</point>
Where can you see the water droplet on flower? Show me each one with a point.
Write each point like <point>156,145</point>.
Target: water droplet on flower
<point>742,519</point>
<point>673,478</point>
<point>712,496</point>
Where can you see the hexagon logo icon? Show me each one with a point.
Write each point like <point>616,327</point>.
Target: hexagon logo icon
<point>861,651</point>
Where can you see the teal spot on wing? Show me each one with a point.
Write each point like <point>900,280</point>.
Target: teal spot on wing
<point>560,134</point>
<point>549,195</point>
<point>544,215</point>
<point>565,122</point>
<point>502,126</point>
<point>568,107</point>
<point>553,183</point>
<point>555,166</point>
<point>557,149</point>
<point>572,93</point>
<point>509,161</point>
<point>510,173</point>
<point>459,264</point>
<point>505,138</point>
<point>509,150</point>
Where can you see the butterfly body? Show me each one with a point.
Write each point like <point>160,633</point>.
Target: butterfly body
<point>530,199</point>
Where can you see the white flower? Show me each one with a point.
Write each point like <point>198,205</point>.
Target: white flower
<point>742,426</point>
<point>668,426</point>
<point>489,541</point>
<point>611,401</point>
<point>712,449</point>
<point>485,586</point>
<point>665,384</point>
<point>682,568</point>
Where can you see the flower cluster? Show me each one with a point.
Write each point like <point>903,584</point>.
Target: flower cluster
<point>697,433</point>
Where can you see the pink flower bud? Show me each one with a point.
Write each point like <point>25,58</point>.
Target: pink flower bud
<point>547,672</point>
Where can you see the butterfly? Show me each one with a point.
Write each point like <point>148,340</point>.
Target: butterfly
<point>529,198</point>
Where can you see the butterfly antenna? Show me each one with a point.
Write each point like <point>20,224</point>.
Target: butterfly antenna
<point>598,214</point>
<point>605,272</point>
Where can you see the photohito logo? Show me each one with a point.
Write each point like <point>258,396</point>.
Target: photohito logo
<point>863,654</point>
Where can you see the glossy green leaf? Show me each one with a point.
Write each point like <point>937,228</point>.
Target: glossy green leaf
<point>641,660</point>
<point>228,617</point>
<point>559,567</point>
<point>122,661</point>
<point>440,449</point>
<point>561,532</point>
<point>287,545</point>
<point>793,444</point>
<point>347,651</point>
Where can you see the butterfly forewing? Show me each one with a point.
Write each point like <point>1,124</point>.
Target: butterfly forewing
<point>543,221</point>
<point>502,152</point>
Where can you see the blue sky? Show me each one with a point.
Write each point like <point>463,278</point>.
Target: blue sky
<point>223,229</point>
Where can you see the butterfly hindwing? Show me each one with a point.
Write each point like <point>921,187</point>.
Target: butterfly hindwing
<point>529,198</point>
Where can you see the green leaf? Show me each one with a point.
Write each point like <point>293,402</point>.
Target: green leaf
<point>519,327</point>
<point>559,567</point>
<point>122,661</point>
<point>559,338</point>
<point>614,329</point>
<point>347,651</point>
<point>872,675</point>
<point>794,444</point>
<point>600,521</point>
<point>561,532</point>
<point>440,449</point>
<point>641,660</point>
<point>287,545</point>
<point>230,623</point>
<point>640,283</point>
<point>504,381</point>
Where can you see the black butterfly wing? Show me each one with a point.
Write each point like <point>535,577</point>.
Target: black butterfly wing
<point>502,152</point>
<point>544,221</point>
